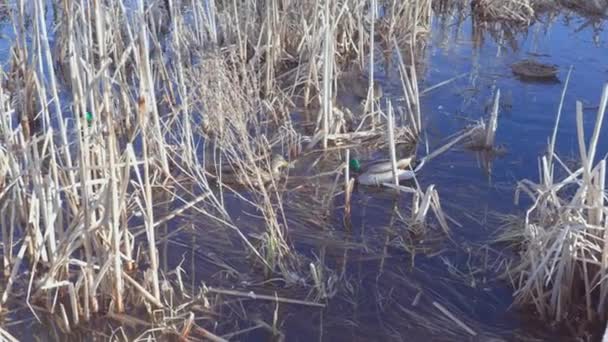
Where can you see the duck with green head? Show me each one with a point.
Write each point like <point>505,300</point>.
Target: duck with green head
<point>378,172</point>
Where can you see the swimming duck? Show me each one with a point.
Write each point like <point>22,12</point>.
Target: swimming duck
<point>360,86</point>
<point>278,163</point>
<point>378,172</point>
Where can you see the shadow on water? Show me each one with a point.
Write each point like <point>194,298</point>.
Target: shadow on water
<point>533,80</point>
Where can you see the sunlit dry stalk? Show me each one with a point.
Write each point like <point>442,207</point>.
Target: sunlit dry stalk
<point>348,186</point>
<point>391,141</point>
<point>372,61</point>
<point>85,155</point>
<point>52,80</point>
<point>328,62</point>
<point>557,121</point>
<point>410,100</point>
<point>492,124</point>
<point>150,231</point>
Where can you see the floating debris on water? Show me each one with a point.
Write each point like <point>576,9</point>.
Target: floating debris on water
<point>531,69</point>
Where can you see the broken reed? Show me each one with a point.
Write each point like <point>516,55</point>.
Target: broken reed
<point>97,127</point>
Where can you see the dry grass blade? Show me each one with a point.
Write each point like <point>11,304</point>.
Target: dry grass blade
<point>454,318</point>
<point>254,296</point>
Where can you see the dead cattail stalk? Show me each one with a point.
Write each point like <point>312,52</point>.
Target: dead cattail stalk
<point>557,120</point>
<point>113,191</point>
<point>411,97</point>
<point>370,90</point>
<point>328,63</point>
<point>391,142</point>
<point>147,84</point>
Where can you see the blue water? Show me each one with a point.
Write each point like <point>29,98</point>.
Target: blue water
<point>526,126</point>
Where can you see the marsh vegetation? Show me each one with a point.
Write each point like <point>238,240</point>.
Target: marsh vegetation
<point>243,170</point>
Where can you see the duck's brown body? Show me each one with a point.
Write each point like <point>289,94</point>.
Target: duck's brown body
<point>228,175</point>
<point>357,84</point>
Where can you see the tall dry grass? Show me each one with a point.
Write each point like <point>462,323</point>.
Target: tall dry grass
<point>112,109</point>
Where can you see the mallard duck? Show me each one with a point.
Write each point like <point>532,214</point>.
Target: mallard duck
<point>378,172</point>
<point>360,86</point>
<point>229,176</point>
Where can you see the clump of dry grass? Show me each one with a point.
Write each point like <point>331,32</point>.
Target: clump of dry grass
<point>563,266</point>
<point>520,11</point>
<point>593,8</point>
